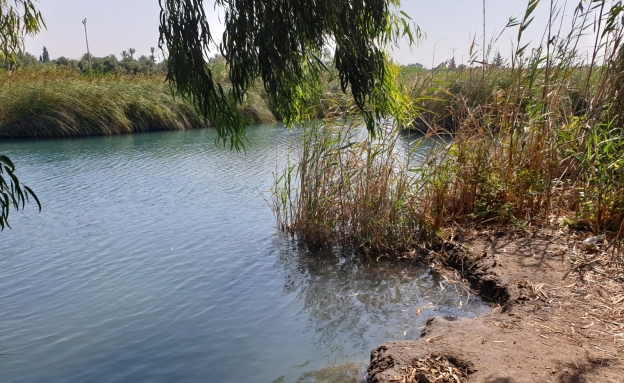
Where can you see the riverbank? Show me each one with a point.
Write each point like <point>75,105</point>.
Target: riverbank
<point>557,314</point>
<point>50,102</point>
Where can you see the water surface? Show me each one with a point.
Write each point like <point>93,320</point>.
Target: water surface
<point>155,258</point>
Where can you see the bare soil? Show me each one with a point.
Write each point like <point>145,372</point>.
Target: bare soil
<point>558,314</point>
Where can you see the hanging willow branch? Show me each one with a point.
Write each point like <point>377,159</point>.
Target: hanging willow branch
<point>17,19</point>
<point>13,194</point>
<point>278,41</point>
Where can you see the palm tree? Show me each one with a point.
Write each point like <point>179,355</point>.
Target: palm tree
<point>132,51</point>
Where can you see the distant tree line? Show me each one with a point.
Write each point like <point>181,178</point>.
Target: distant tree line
<point>497,62</point>
<point>110,64</point>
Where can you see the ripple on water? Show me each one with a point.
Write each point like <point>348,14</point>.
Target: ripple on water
<point>155,258</point>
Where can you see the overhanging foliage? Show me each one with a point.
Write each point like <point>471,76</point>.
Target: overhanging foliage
<point>17,18</point>
<point>279,42</point>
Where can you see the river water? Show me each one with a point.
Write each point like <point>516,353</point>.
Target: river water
<point>156,259</point>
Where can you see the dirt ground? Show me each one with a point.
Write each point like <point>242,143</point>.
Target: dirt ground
<point>558,314</point>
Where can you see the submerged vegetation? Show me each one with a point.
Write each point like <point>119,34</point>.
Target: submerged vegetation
<point>539,142</point>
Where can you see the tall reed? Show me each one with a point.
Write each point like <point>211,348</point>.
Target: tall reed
<point>350,190</point>
<point>51,102</point>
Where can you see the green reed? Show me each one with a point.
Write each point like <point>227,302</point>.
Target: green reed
<point>53,102</point>
<point>540,140</point>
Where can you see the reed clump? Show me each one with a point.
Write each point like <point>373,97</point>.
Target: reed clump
<point>59,103</point>
<point>51,102</point>
<point>349,190</point>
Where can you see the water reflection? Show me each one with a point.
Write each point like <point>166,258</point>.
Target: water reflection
<point>351,304</point>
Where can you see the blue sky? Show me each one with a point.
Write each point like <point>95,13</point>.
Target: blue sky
<point>116,25</point>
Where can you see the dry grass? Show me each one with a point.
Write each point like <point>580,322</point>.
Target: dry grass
<point>586,306</point>
<point>547,140</point>
<point>596,295</point>
<point>566,288</point>
<point>431,369</point>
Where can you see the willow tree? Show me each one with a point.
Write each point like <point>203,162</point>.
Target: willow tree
<point>278,42</point>
<point>18,18</point>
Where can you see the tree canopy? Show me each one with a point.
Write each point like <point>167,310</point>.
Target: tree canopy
<point>280,42</point>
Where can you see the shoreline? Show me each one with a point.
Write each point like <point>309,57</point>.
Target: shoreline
<point>558,315</point>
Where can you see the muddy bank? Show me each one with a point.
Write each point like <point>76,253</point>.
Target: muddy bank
<point>558,314</point>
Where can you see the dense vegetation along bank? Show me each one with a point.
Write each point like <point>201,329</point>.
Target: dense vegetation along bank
<point>51,102</point>
<point>104,95</point>
<point>537,138</point>
<point>536,141</point>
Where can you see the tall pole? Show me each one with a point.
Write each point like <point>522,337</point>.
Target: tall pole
<point>84,22</point>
